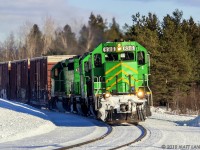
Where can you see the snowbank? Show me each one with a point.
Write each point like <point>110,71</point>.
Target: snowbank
<point>184,120</point>
<point>19,121</point>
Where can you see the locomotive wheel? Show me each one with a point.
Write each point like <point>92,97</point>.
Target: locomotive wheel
<point>59,105</point>
<point>78,106</point>
<point>93,112</point>
<point>52,103</point>
<point>73,105</point>
<point>66,104</point>
<point>84,107</point>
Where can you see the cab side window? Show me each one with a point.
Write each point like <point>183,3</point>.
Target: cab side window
<point>97,60</point>
<point>141,58</point>
<point>70,66</point>
<point>56,72</point>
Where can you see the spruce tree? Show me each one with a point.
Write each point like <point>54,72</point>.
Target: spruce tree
<point>34,42</point>
<point>113,33</point>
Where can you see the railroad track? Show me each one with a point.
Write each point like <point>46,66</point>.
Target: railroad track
<point>110,129</point>
<point>143,134</point>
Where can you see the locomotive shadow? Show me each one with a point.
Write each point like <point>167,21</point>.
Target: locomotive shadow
<point>57,118</point>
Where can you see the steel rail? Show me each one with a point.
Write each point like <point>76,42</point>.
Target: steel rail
<point>110,129</point>
<point>144,133</point>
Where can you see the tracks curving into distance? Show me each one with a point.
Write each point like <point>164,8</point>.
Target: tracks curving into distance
<point>143,134</point>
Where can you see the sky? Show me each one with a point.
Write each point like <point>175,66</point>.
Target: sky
<point>15,13</point>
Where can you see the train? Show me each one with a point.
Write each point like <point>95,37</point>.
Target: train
<point>110,83</point>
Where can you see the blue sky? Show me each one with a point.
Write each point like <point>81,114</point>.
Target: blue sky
<point>14,13</point>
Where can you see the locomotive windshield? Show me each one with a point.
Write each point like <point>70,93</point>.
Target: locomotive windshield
<point>111,57</point>
<point>127,56</point>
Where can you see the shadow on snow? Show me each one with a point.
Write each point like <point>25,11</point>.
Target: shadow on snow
<point>59,119</point>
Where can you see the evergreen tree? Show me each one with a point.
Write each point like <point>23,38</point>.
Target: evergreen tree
<point>34,43</point>
<point>69,40</point>
<point>93,34</point>
<point>83,40</point>
<point>113,33</point>
<point>58,47</point>
<point>65,42</point>
<point>176,62</point>
<point>192,31</point>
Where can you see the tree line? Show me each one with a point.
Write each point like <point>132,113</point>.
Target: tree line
<point>173,44</point>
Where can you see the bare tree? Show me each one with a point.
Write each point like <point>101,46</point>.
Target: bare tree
<point>10,48</point>
<point>23,33</point>
<point>48,33</point>
<point>24,30</point>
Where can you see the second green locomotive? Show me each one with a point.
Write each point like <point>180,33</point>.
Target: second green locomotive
<point>110,83</point>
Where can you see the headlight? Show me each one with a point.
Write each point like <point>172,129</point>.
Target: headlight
<point>140,94</point>
<point>119,47</point>
<point>106,95</point>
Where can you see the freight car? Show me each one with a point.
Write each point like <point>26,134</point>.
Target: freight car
<point>4,80</point>
<point>110,83</point>
<point>18,80</point>
<point>40,80</point>
<point>28,81</point>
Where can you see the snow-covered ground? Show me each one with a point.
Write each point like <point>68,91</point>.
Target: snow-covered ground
<point>186,120</point>
<point>21,121</point>
<point>167,131</point>
<point>25,127</point>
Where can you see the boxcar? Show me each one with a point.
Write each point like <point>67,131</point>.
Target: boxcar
<point>40,79</point>
<point>4,80</point>
<point>19,85</point>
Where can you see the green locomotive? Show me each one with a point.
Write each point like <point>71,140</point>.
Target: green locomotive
<point>110,83</point>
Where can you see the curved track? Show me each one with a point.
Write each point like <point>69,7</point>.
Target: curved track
<point>143,134</point>
<point>115,139</point>
<point>88,142</point>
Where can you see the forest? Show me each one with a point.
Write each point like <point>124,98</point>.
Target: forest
<point>173,44</point>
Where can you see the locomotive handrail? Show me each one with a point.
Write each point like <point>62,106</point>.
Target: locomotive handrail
<point>97,85</point>
<point>87,77</point>
<point>149,89</point>
<point>100,80</point>
<point>96,78</point>
<point>151,99</point>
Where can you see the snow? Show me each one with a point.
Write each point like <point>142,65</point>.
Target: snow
<point>20,120</point>
<point>119,136</point>
<point>168,131</point>
<point>25,127</point>
<point>183,120</point>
